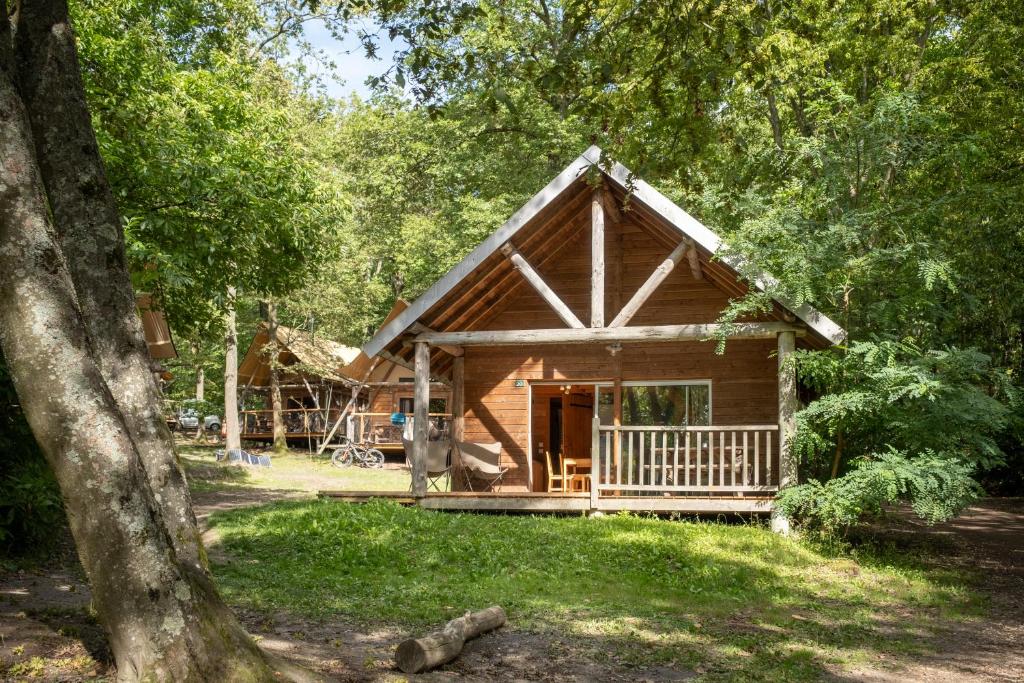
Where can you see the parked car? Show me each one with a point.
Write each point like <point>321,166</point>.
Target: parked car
<point>188,420</point>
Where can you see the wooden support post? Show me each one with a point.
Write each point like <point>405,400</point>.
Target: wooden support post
<point>596,261</point>
<point>458,407</point>
<point>647,289</point>
<point>421,401</point>
<point>787,421</point>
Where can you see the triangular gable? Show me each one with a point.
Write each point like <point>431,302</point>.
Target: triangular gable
<point>662,206</point>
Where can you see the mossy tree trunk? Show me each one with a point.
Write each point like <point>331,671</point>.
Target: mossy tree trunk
<point>163,617</point>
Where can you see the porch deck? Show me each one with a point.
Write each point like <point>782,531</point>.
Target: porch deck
<point>563,502</point>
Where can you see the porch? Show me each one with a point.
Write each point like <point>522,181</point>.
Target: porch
<point>577,503</point>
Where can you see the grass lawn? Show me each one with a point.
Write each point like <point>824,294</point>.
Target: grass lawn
<point>293,472</point>
<point>728,601</point>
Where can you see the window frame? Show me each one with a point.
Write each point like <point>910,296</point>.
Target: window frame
<point>664,383</point>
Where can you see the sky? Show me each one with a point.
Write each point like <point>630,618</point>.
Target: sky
<point>351,66</point>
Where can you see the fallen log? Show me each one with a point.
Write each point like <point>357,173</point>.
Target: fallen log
<point>416,655</point>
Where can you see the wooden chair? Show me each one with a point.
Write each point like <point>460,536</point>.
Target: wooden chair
<point>560,478</point>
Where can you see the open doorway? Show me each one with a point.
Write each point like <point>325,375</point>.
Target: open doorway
<point>560,425</point>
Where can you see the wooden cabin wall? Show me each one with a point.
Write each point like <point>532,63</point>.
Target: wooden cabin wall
<point>743,379</point>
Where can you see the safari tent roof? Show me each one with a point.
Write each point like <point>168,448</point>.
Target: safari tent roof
<point>154,326</point>
<point>314,355</point>
<point>474,290</point>
<point>362,366</point>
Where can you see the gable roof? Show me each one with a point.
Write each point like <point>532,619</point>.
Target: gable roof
<point>317,355</point>
<point>622,179</point>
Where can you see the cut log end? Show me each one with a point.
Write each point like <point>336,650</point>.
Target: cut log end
<point>416,655</point>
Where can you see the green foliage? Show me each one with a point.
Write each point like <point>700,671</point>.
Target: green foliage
<point>31,509</point>
<point>936,487</point>
<point>210,151</point>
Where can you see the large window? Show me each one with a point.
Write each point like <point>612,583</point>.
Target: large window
<point>644,404</point>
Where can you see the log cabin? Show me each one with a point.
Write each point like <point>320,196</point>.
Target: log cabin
<point>584,331</point>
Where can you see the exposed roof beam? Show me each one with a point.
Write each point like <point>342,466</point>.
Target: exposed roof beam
<point>450,350</point>
<point>694,259</point>
<point>611,205</point>
<point>546,293</point>
<point>597,260</point>
<point>604,335</point>
<point>653,282</point>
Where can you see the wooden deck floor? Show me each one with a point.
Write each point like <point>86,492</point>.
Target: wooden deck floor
<point>562,502</point>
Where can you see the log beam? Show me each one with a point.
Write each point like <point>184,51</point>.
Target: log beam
<point>416,655</point>
<point>606,335</point>
<point>694,258</point>
<point>611,206</point>
<point>537,282</point>
<point>596,260</point>
<point>653,282</point>
<point>420,402</point>
<point>787,409</point>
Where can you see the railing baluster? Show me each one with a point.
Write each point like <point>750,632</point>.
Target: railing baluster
<point>768,464</point>
<point>757,458</point>
<point>746,478</point>
<point>721,458</point>
<point>675,458</point>
<point>664,458</point>
<point>732,457</point>
<point>643,444</point>
<point>686,457</point>
<point>629,472</point>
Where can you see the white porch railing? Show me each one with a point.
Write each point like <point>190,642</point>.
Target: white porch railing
<point>685,460</point>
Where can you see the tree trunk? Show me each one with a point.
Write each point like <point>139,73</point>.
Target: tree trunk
<point>272,351</point>
<point>200,384</point>
<point>232,439</point>
<point>163,617</point>
<point>89,233</point>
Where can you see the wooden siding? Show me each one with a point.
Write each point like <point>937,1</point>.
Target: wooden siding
<point>744,379</point>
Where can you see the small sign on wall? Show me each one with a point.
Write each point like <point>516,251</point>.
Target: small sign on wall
<point>519,383</point>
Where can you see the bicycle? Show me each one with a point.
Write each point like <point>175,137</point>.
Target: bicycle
<point>349,454</point>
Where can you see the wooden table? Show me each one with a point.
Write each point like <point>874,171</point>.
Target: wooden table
<point>576,464</point>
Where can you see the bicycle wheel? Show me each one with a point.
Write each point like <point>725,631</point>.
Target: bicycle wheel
<point>342,457</point>
<point>374,459</point>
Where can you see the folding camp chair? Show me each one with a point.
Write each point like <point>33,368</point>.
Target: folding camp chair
<point>438,463</point>
<point>481,460</point>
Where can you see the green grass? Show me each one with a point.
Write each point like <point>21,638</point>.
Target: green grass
<point>735,601</point>
<point>292,472</point>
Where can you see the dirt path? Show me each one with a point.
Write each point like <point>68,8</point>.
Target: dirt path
<point>989,540</point>
<point>45,633</point>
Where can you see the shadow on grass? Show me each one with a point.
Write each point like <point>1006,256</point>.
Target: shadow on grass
<point>726,600</point>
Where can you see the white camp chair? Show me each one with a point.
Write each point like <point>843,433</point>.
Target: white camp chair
<point>438,463</point>
<point>480,459</point>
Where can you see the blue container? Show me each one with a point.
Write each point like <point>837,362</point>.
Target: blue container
<point>398,419</point>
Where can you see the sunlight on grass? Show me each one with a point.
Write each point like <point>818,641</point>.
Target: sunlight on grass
<point>291,472</point>
<point>737,596</point>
